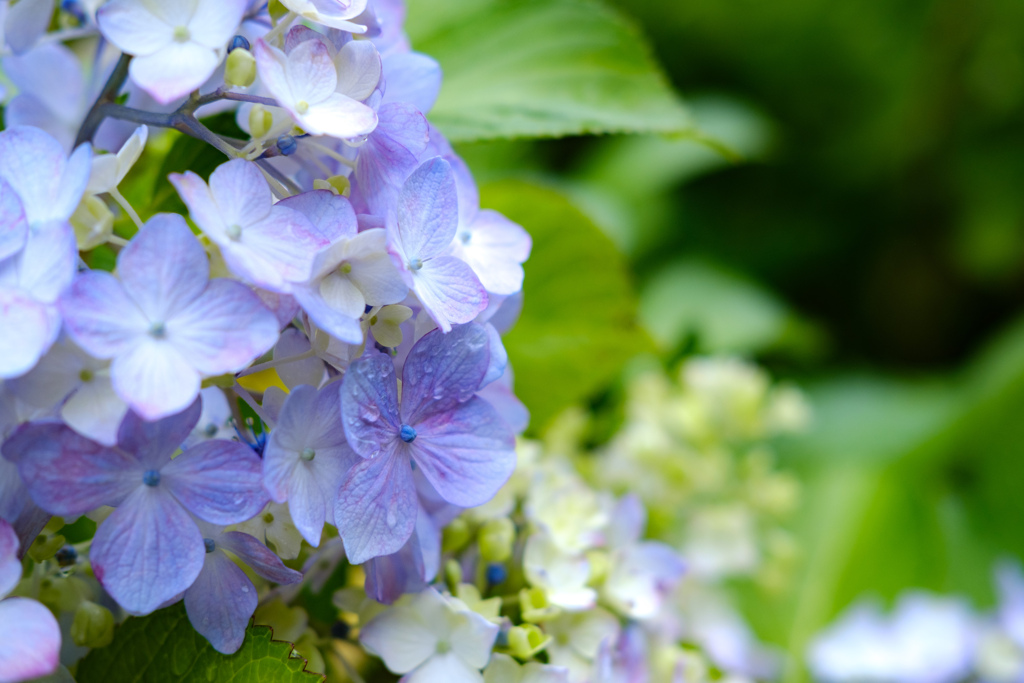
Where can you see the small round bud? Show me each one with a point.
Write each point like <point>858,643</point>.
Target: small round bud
<point>260,121</point>
<point>456,535</point>
<point>74,13</point>
<point>93,625</point>
<point>151,477</point>
<point>340,630</point>
<point>209,545</point>
<point>496,539</point>
<point>240,68</point>
<point>452,573</point>
<point>93,222</point>
<point>66,556</point>
<point>45,547</point>
<point>535,606</point>
<point>238,42</point>
<point>407,433</point>
<point>526,641</point>
<point>287,144</point>
<point>496,574</point>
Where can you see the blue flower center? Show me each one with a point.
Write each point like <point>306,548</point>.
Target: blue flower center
<point>210,545</point>
<point>407,433</point>
<point>415,264</point>
<point>158,330</point>
<point>151,478</point>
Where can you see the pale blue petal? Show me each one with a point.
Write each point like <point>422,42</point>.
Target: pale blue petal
<point>259,557</point>
<point>153,443</point>
<point>218,481</point>
<point>369,405</point>
<point>427,212</point>
<point>377,507</point>
<point>221,602</point>
<point>443,370</point>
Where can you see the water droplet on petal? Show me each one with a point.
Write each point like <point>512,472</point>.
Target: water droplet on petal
<point>391,519</point>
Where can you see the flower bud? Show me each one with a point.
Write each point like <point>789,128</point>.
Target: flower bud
<point>338,184</point>
<point>45,547</point>
<point>93,625</point>
<point>260,121</point>
<point>535,606</point>
<point>287,145</point>
<point>240,69</point>
<point>496,539</point>
<point>526,641</point>
<point>93,223</point>
<point>238,42</point>
<point>455,535</point>
<point>452,573</point>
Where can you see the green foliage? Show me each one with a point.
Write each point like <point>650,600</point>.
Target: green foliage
<point>164,647</point>
<point>578,326</point>
<point>541,68</point>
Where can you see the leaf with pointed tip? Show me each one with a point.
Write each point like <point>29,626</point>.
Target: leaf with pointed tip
<point>164,648</point>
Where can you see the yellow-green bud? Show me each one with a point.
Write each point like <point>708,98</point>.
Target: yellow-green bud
<point>456,535</point>
<point>599,566</point>
<point>45,547</point>
<point>240,69</point>
<point>534,605</point>
<point>93,625</point>
<point>496,539</point>
<point>93,222</point>
<point>260,120</point>
<point>526,641</point>
<point>452,574</point>
<point>338,184</point>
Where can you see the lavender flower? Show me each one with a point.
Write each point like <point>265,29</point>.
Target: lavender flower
<point>149,550</point>
<point>457,440</point>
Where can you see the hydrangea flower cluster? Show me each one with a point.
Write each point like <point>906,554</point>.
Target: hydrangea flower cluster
<point>336,277</point>
<point>927,638</point>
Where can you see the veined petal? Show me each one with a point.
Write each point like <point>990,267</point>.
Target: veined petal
<point>377,507</point>
<point>46,265</point>
<point>449,290</point>
<point>174,71</point>
<point>401,637</point>
<point>133,28</point>
<point>342,295</point>
<point>311,73</point>
<point>330,320</point>
<point>100,316</point>
<point>272,63</point>
<point>467,454</point>
<point>286,240</point>
<point>223,329</point>
<point>390,155</point>
<point>307,503</point>
<point>427,212</point>
<point>154,378</point>
<point>215,21</point>
<point>221,602</point>
<point>218,481</point>
<point>95,410</point>
<point>372,270</point>
<point>13,225</point>
<point>153,443</point>
<point>148,551</point>
<point>35,165</point>
<point>329,213</point>
<point>201,205</point>
<point>359,69</point>
<point>163,268</point>
<point>67,474</point>
<point>241,193</point>
<point>443,370</point>
<point>412,78</point>
<point>369,405</point>
<point>258,557</point>
<point>33,648</point>
<point>309,371</point>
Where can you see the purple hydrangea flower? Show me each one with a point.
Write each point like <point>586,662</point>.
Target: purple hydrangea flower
<point>31,645</point>
<point>164,323</point>
<point>49,183</point>
<point>149,550</point>
<point>307,457</point>
<point>267,244</point>
<point>391,153</point>
<point>223,599</point>
<point>420,233</point>
<point>456,439</point>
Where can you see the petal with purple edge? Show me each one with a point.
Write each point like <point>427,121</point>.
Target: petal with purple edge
<point>154,378</point>
<point>221,602</point>
<point>334,322</point>
<point>377,507</point>
<point>241,193</point>
<point>498,356</point>
<point>67,474</point>
<point>163,268</point>
<point>218,481</point>
<point>467,454</point>
<point>13,226</point>
<point>427,211</point>
<point>443,370</point>
<point>36,166</point>
<point>154,442</point>
<point>390,155</point>
<point>258,557</point>
<point>10,565</point>
<point>224,329</point>
<point>329,213</point>
<point>148,551</point>
<point>369,405</point>
<point>32,649</point>
<point>449,290</point>
<point>46,265</point>
<point>201,205</point>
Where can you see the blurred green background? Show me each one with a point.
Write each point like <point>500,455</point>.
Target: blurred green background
<point>849,212</point>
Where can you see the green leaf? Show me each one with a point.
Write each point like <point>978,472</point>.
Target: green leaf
<point>578,326</point>
<point>542,68</point>
<point>163,647</point>
<point>724,311</point>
